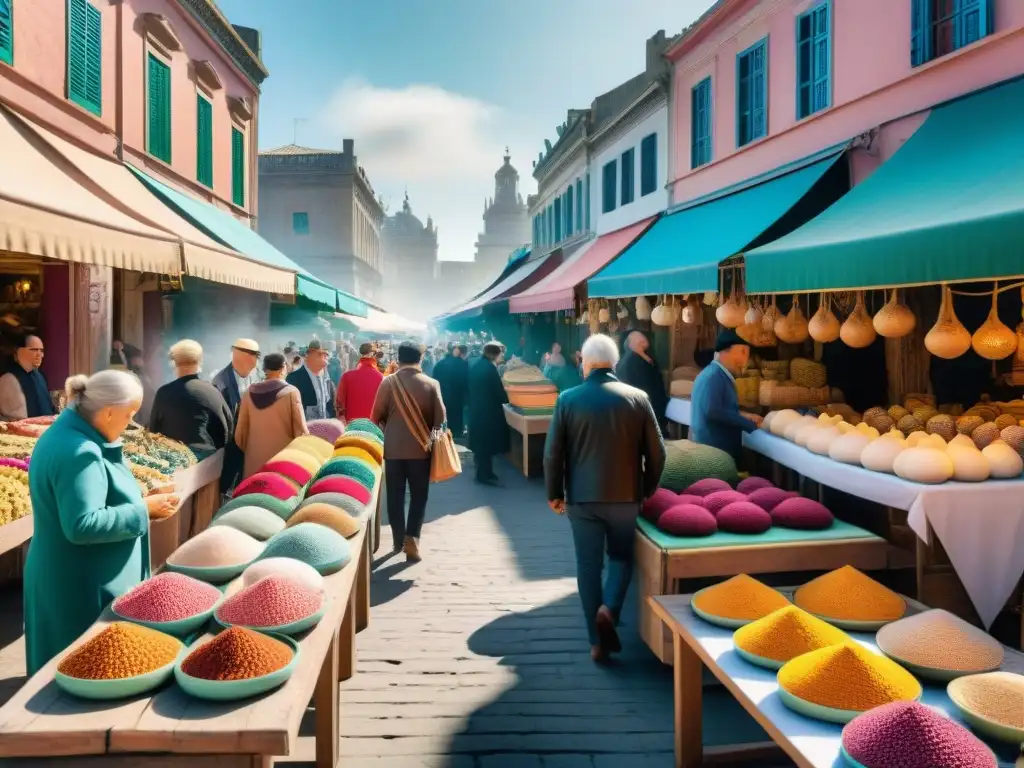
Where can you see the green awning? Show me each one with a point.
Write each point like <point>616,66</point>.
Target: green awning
<point>681,251</point>
<point>947,207</point>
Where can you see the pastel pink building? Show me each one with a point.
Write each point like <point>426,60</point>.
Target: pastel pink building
<point>758,84</point>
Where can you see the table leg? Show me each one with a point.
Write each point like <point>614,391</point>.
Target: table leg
<point>347,640</point>
<point>688,705</point>
<point>376,520</point>
<point>325,701</point>
<point>526,454</point>
<point>363,588</point>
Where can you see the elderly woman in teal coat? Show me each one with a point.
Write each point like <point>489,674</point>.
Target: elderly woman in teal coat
<point>91,524</point>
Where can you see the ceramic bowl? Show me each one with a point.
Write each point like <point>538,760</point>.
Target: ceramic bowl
<point>232,690</point>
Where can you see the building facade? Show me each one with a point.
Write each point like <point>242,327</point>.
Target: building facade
<point>560,212</point>
<point>757,85</point>
<point>318,206</point>
<point>411,267</point>
<point>506,225</point>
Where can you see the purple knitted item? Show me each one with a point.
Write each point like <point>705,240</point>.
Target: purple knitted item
<point>802,515</point>
<point>706,486</point>
<point>687,520</point>
<point>655,506</point>
<point>751,484</point>
<point>327,429</point>
<point>717,501</point>
<point>687,498</point>
<point>768,498</point>
<point>744,517</point>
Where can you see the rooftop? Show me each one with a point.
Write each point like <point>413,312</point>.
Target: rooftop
<point>291,150</point>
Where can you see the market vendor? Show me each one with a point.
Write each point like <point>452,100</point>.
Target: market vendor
<point>716,418</point>
<point>91,524</point>
<point>23,390</point>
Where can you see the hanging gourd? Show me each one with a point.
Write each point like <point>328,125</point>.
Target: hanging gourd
<point>643,308</point>
<point>730,314</point>
<point>948,338</point>
<point>692,313</point>
<point>710,299</point>
<point>770,316</point>
<point>858,331</point>
<point>824,326</point>
<point>994,340</point>
<point>662,315</point>
<point>623,313</point>
<point>603,314</point>
<point>894,320</point>
<point>792,328</point>
<point>754,315</point>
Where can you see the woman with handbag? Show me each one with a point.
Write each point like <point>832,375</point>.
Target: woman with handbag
<point>411,412</point>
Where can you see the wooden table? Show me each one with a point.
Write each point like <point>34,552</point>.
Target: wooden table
<point>169,729</point>
<point>526,426</point>
<point>808,743</point>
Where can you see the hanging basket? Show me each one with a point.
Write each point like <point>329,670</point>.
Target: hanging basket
<point>662,314</point>
<point>858,331</point>
<point>770,317</point>
<point>643,309</point>
<point>824,326</point>
<point>754,315</point>
<point>948,338</point>
<point>894,320</point>
<point>792,328</point>
<point>994,340</point>
<point>731,313</point>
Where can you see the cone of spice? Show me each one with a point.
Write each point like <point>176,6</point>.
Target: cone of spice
<point>938,640</point>
<point>120,651</point>
<point>273,601</point>
<point>740,598</point>
<point>994,696</point>
<point>785,634</point>
<point>216,547</point>
<point>237,654</point>
<point>846,594</point>
<point>847,677</point>
<point>167,596</point>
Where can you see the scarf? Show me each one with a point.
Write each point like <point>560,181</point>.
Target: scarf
<point>33,386</point>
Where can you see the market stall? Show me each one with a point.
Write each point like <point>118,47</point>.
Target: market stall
<point>532,398</point>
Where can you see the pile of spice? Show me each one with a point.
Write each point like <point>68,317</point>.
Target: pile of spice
<point>237,654</point>
<point>937,639</point>
<point>848,677</point>
<point>216,547</point>
<point>285,567</point>
<point>167,596</point>
<point>271,602</point>
<point>326,515</point>
<point>995,696</point>
<point>911,735</point>
<point>786,634</point>
<point>313,544</point>
<point>846,594</point>
<point>121,650</point>
<point>740,598</point>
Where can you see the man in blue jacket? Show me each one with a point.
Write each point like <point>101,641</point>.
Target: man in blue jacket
<point>716,417</point>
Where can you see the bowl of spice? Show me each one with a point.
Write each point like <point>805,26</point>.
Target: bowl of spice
<point>783,635</point>
<point>275,604</point>
<point>939,646</point>
<point>287,567</point>
<point>216,555</point>
<point>992,703</point>
<point>736,602</point>
<point>169,602</point>
<point>123,660</point>
<point>839,682</point>
<point>314,544</point>
<point>850,600</point>
<point>236,664</point>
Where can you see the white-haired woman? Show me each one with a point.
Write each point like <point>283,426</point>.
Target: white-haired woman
<point>91,538</point>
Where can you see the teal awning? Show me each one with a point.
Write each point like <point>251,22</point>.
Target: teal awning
<point>681,252</point>
<point>948,206</point>
<point>233,233</point>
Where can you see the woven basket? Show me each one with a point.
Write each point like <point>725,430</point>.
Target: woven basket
<point>807,373</point>
<point>772,394</point>
<point>748,392</point>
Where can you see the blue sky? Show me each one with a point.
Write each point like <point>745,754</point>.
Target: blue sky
<point>432,92</point>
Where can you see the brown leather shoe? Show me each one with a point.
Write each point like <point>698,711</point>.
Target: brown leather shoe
<point>411,549</point>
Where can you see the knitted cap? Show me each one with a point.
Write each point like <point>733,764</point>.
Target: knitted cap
<point>304,459</point>
<point>314,446</point>
<point>362,440</point>
<point>290,470</point>
<point>269,483</point>
<point>343,501</point>
<point>348,466</point>
<point>257,522</point>
<point>356,453</point>
<point>326,515</point>
<point>341,484</point>
<point>327,429</point>
<point>283,508</point>
<point>365,425</point>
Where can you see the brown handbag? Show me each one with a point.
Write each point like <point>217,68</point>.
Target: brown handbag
<point>444,458</point>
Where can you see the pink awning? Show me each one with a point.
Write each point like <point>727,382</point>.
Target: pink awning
<point>557,290</point>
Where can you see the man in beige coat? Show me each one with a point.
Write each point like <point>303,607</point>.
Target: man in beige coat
<point>269,417</point>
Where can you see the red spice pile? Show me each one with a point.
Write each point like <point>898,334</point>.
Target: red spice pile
<point>167,597</point>
<point>237,654</point>
<point>271,602</point>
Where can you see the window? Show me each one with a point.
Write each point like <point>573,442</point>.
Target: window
<point>237,167</point>
<point>628,176</point>
<point>814,61</point>
<point>7,31</point>
<point>204,140</point>
<point>158,119</point>
<point>536,229</point>
<point>551,225</point>
<point>579,205</point>
<point>752,93</point>
<point>608,177</point>
<point>939,27</point>
<point>300,223</point>
<point>85,55</point>
<point>648,164</point>
<point>700,124</point>
<point>588,202</point>
<point>558,219</point>
<point>568,212</point>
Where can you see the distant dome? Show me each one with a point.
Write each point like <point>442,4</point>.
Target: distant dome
<point>507,170</point>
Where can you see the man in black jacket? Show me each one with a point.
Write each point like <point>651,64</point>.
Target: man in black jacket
<point>452,373</point>
<point>603,456</point>
<point>639,369</point>
<point>314,384</point>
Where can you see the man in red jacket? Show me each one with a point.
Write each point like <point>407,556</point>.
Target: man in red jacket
<point>358,387</point>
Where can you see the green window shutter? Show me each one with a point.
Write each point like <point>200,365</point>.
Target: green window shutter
<point>7,31</point>
<point>159,110</point>
<point>300,223</point>
<point>238,167</point>
<point>85,55</point>
<point>204,141</point>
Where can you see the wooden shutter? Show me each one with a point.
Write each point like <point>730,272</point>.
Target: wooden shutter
<point>78,51</point>
<point>579,205</point>
<point>6,32</point>
<point>974,21</point>
<point>822,57</point>
<point>648,164</point>
<point>204,141</point>
<point>569,229</point>
<point>159,106</point>
<point>587,196</point>
<point>628,176</point>
<point>759,91</point>
<point>608,179</point>
<point>94,58</point>
<point>919,28</point>
<point>700,123</point>
<point>238,167</point>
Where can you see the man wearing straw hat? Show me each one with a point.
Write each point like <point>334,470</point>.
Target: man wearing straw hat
<point>233,381</point>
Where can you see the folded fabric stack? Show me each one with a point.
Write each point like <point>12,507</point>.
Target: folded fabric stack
<point>529,392</point>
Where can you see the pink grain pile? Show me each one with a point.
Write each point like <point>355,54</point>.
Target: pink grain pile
<point>271,602</point>
<point>167,597</point>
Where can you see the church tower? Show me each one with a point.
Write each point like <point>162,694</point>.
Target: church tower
<point>506,224</point>
<point>410,264</point>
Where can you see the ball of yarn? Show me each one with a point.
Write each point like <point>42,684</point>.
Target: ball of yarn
<point>802,515</point>
<point>257,522</point>
<point>340,500</point>
<point>326,429</point>
<point>743,517</point>
<point>341,484</point>
<point>356,453</point>
<point>769,498</point>
<point>316,545</point>
<point>656,505</point>
<point>281,508</point>
<point>365,425</point>
<point>362,440</point>
<point>289,469</point>
<point>750,484</point>
<point>327,515</point>
<point>266,483</point>
<point>314,446</point>
<point>715,502</point>
<point>687,520</point>
<point>347,466</point>
<point>706,486</point>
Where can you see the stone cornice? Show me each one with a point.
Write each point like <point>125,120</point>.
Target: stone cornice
<point>213,21</point>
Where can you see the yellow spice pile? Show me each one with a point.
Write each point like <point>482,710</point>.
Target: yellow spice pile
<point>847,594</point>
<point>741,598</point>
<point>997,696</point>
<point>786,634</point>
<point>937,639</point>
<point>119,651</point>
<point>848,677</point>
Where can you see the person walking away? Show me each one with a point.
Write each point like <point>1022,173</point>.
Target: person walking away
<point>639,369</point>
<point>190,410</point>
<point>428,361</point>
<point>270,416</point>
<point>602,458</point>
<point>452,373</point>
<point>90,542</point>
<point>406,460</point>
<point>488,430</point>
<point>23,390</point>
<point>716,417</point>
<point>358,387</point>
<point>314,384</point>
